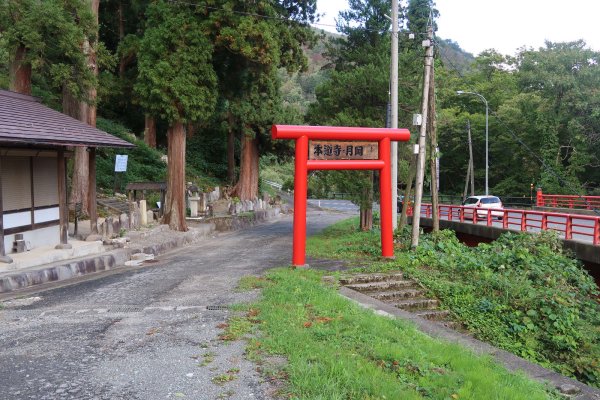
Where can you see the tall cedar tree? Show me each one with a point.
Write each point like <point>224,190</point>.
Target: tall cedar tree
<point>46,38</point>
<point>123,24</point>
<point>357,93</point>
<point>83,108</point>
<point>176,82</point>
<point>43,37</point>
<point>252,41</point>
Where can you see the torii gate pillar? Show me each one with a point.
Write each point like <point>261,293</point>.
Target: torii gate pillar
<point>302,134</point>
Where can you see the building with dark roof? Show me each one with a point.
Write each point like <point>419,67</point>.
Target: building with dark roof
<point>34,144</point>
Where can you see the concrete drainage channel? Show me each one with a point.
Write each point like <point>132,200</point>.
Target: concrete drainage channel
<point>391,295</point>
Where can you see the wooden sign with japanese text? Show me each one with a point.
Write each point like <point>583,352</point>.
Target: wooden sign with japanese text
<point>328,150</point>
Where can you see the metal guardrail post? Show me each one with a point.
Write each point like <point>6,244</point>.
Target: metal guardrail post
<point>544,222</point>
<point>569,228</point>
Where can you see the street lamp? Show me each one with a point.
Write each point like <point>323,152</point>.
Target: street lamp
<point>459,92</point>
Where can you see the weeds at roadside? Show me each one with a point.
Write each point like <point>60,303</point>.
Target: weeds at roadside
<point>521,293</point>
<point>207,358</point>
<point>247,283</point>
<point>334,349</point>
<point>223,379</point>
<point>235,329</point>
<point>228,376</point>
<point>225,395</point>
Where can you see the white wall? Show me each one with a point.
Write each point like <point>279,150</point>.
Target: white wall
<point>49,236</point>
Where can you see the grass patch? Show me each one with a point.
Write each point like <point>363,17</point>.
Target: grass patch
<point>345,240</point>
<point>247,283</point>
<point>337,350</point>
<point>235,328</point>
<point>520,293</point>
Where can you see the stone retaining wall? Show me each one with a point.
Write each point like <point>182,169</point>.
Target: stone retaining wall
<point>237,222</point>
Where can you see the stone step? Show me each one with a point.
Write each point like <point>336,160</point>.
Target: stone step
<point>457,326</point>
<point>367,278</point>
<point>381,286</point>
<point>434,315</point>
<point>399,294</point>
<point>417,304</point>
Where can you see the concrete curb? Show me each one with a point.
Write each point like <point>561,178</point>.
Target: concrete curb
<point>570,387</point>
<point>101,262</point>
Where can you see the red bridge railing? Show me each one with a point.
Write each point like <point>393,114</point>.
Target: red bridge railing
<point>570,226</point>
<point>567,201</point>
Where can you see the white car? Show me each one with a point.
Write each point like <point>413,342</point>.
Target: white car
<point>482,204</point>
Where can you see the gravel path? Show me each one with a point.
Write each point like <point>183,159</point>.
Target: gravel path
<point>144,333</point>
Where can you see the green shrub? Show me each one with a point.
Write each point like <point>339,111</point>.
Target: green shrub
<point>143,164</point>
<point>520,292</point>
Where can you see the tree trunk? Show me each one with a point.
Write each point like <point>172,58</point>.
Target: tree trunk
<point>19,72</point>
<point>366,207</point>
<point>412,172</point>
<point>80,178</point>
<point>121,36</point>
<point>366,219</point>
<point>150,131</point>
<point>70,105</point>
<point>190,130</point>
<point>175,200</point>
<point>89,49</point>
<point>85,111</point>
<point>230,149</point>
<point>247,186</point>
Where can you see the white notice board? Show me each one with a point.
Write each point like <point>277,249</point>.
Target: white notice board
<point>121,163</point>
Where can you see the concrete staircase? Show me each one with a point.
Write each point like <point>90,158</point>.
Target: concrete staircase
<point>395,289</point>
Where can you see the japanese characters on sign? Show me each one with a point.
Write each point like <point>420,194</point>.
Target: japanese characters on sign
<point>328,150</point>
<point>121,163</point>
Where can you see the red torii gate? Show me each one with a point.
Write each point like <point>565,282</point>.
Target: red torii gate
<point>302,134</point>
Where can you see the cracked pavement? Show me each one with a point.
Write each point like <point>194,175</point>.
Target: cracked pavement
<point>146,332</point>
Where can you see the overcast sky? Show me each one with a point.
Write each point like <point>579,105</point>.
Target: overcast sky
<point>504,25</point>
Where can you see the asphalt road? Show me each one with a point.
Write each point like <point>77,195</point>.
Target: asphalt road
<point>338,205</point>
<point>144,333</point>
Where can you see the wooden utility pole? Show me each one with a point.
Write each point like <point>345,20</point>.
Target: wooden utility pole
<point>434,152</point>
<point>394,112</point>
<point>422,142</point>
<point>464,197</point>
